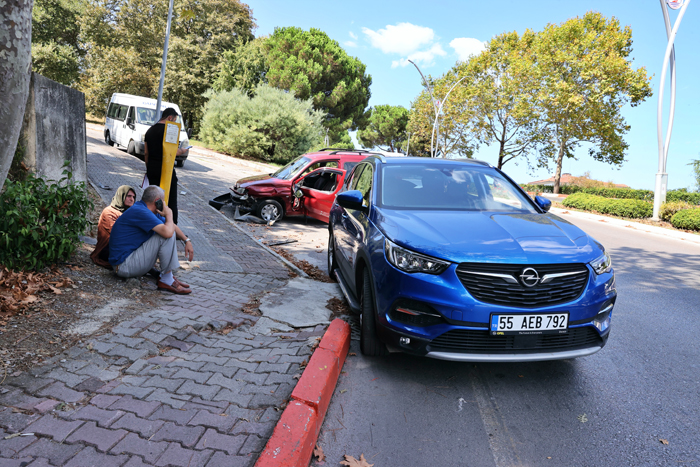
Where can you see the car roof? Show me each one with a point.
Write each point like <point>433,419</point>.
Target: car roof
<point>424,160</point>
<point>339,152</point>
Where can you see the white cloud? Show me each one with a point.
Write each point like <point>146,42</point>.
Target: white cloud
<point>404,38</point>
<point>467,46</point>
<point>424,57</point>
<point>353,35</point>
<point>350,44</point>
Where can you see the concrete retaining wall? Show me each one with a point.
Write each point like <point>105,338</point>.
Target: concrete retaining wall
<point>54,129</point>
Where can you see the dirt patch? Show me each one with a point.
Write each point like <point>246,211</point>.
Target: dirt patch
<point>47,325</point>
<point>338,308</point>
<point>313,272</point>
<point>253,306</point>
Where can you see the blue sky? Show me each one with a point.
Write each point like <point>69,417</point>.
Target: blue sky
<point>383,34</point>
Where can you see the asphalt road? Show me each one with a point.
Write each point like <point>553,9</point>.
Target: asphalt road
<point>635,403</point>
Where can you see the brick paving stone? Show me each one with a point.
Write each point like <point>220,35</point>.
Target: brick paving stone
<point>104,418</point>
<point>220,380</point>
<point>56,453</point>
<point>212,406</point>
<point>108,387</point>
<point>140,408</point>
<point>14,422</point>
<point>133,380</point>
<point>132,354</point>
<point>236,363</point>
<point>185,435</point>
<point>29,383</point>
<point>127,390</point>
<point>255,378</point>
<point>136,367</point>
<point>194,366</point>
<point>161,360</point>
<point>220,459</point>
<point>253,444</point>
<point>174,400</point>
<point>169,384</point>
<point>58,429</point>
<point>204,391</point>
<point>38,462</point>
<point>19,399</point>
<point>23,462</point>
<point>228,443</point>
<point>221,422</point>
<point>132,444</point>
<point>209,358</point>
<point>181,417</point>
<point>143,426</point>
<point>259,389</point>
<point>227,371</point>
<point>136,461</point>
<point>233,397</point>
<point>264,430</point>
<point>104,400</point>
<point>196,376</point>
<point>92,384</point>
<point>89,457</point>
<point>10,447</point>
<point>59,391</point>
<point>265,400</point>
<point>176,456</point>
<point>102,438</point>
<point>178,344</point>
<point>46,406</point>
<point>153,336</point>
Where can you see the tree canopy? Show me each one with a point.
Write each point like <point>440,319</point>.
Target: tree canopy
<point>386,128</point>
<point>56,50</point>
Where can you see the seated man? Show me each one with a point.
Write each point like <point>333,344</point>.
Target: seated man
<point>144,233</point>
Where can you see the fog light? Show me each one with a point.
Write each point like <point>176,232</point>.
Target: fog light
<point>602,319</point>
<point>405,340</point>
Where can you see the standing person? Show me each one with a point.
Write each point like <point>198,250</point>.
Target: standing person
<point>123,199</point>
<point>153,156</point>
<point>144,233</point>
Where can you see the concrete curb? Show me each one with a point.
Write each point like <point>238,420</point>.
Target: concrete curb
<point>294,438</point>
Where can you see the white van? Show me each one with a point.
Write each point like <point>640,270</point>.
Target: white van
<point>129,117</point>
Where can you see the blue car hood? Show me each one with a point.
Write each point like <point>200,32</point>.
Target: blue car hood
<point>459,236</point>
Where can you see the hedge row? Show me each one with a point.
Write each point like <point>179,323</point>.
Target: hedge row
<point>687,219</point>
<point>630,208</point>
<point>669,209</point>
<point>620,193</point>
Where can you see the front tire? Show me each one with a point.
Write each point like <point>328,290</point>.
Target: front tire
<point>108,140</point>
<point>270,210</point>
<point>331,256</point>
<point>179,163</point>
<point>369,342</point>
<point>131,149</point>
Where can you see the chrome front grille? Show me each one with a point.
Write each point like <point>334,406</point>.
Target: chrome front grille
<point>507,284</point>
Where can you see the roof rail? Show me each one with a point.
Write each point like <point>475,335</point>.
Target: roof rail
<point>473,161</point>
<point>337,150</point>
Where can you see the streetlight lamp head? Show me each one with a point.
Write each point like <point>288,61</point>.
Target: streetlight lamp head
<point>675,4</point>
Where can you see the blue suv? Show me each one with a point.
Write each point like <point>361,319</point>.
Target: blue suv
<point>451,259</point>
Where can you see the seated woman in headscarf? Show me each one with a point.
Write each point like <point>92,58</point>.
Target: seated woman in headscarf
<point>123,200</point>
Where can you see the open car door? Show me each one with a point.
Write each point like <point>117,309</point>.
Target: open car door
<point>318,191</point>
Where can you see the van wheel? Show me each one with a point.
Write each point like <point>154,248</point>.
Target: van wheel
<point>369,342</point>
<point>179,163</point>
<point>270,210</point>
<point>108,140</point>
<point>132,148</point>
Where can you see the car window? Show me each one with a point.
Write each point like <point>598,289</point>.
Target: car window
<point>291,170</point>
<point>348,166</point>
<point>112,110</point>
<point>318,165</point>
<point>450,187</point>
<point>363,183</point>
<point>122,112</point>
<point>145,116</point>
<point>131,114</point>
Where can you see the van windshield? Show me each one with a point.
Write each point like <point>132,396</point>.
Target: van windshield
<point>148,116</point>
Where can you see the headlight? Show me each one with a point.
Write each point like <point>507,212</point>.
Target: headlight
<point>602,264</point>
<point>409,261</point>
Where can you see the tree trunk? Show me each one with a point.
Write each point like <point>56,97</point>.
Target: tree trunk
<point>15,73</point>
<point>502,148</point>
<point>557,172</point>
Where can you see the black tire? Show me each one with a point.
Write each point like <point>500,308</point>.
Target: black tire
<point>108,140</point>
<point>270,210</point>
<point>179,163</point>
<point>331,256</point>
<point>369,342</point>
<point>131,149</point>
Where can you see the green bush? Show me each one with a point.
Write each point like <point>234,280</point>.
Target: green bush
<point>630,208</point>
<point>687,219</point>
<point>606,192</point>
<point>272,125</point>
<point>683,195</point>
<point>39,222</point>
<point>668,209</point>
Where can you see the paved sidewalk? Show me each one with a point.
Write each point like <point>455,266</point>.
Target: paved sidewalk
<point>191,383</point>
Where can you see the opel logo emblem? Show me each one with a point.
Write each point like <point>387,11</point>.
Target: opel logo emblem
<point>529,277</point>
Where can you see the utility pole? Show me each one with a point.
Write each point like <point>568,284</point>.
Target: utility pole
<point>669,57</point>
<point>165,59</point>
<point>432,99</point>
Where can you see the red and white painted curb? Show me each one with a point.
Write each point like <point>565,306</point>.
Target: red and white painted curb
<point>294,438</point>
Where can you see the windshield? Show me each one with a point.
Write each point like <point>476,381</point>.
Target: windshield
<point>148,116</point>
<point>450,187</point>
<point>290,170</point>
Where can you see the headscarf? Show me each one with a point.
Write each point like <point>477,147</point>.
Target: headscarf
<point>120,196</point>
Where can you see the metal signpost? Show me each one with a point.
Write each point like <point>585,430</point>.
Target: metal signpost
<point>165,59</point>
<point>669,58</point>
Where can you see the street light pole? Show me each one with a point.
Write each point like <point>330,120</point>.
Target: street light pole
<point>433,133</point>
<point>435,106</point>
<point>165,59</point>
<point>669,57</point>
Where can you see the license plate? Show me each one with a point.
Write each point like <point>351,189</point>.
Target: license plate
<point>551,323</point>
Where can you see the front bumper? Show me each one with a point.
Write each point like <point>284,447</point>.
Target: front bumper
<point>245,203</point>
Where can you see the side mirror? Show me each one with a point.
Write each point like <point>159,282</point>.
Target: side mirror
<point>128,121</point>
<point>350,200</point>
<point>189,132</point>
<point>543,203</point>
<point>297,192</point>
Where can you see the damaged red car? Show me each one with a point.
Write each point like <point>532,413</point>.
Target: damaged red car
<point>305,186</point>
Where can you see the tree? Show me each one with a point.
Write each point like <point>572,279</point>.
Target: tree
<point>312,66</point>
<point>585,80</point>
<point>386,128</point>
<point>56,51</point>
<point>244,68</point>
<point>499,91</point>
<point>272,125</point>
<point>15,67</point>
<point>695,164</point>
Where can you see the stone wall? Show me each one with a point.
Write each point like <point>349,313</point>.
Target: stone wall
<point>54,129</point>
